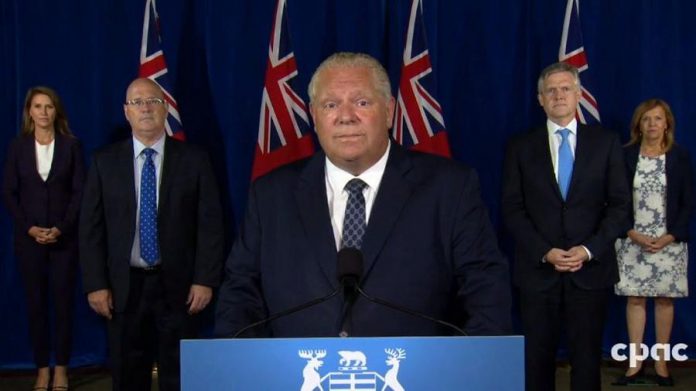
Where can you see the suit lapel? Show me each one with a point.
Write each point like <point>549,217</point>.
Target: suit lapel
<point>126,180</point>
<point>58,155</point>
<point>310,196</point>
<point>169,163</point>
<point>394,191</point>
<point>583,156</point>
<point>28,156</point>
<point>631,158</point>
<point>669,163</point>
<point>543,150</point>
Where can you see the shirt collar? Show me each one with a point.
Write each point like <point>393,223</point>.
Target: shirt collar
<point>338,178</point>
<point>138,147</point>
<point>552,127</point>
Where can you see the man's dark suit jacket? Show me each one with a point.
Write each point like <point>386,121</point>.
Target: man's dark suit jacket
<point>33,202</point>
<point>594,214</point>
<point>189,222</point>
<point>680,196</point>
<point>429,246</point>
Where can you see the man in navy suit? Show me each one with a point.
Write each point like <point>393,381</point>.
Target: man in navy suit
<point>565,201</point>
<point>428,244</point>
<point>149,268</point>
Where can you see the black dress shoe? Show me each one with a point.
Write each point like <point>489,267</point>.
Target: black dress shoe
<point>665,381</point>
<point>624,380</point>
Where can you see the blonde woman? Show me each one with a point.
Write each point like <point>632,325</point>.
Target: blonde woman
<point>653,257</point>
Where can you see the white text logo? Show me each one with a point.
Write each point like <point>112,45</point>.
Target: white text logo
<point>640,352</point>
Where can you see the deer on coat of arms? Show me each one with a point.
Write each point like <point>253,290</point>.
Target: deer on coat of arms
<point>390,378</point>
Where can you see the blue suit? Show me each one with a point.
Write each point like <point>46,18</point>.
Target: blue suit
<point>429,246</point>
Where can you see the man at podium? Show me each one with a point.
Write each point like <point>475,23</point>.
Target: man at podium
<point>418,221</point>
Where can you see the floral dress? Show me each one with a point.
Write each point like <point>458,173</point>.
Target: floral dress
<point>662,274</point>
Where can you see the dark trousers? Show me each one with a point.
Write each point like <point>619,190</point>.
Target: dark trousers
<point>49,269</point>
<point>580,314</point>
<point>148,331</point>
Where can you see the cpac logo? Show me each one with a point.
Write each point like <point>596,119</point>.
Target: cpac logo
<point>640,352</point>
<point>352,373</point>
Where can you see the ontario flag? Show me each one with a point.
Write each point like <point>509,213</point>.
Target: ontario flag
<point>418,120</point>
<point>572,52</point>
<point>283,123</point>
<point>154,67</point>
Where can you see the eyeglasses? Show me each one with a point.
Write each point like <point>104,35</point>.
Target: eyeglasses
<point>145,102</point>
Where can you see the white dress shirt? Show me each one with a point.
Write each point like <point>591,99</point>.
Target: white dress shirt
<point>337,196</point>
<point>555,140</point>
<point>44,158</point>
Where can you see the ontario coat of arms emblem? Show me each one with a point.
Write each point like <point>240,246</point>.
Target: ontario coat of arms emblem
<point>352,372</point>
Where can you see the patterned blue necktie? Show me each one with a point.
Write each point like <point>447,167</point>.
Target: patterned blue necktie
<point>149,248</point>
<point>565,162</point>
<point>354,220</point>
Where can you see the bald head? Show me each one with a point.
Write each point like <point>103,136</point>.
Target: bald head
<point>143,81</point>
<point>146,110</point>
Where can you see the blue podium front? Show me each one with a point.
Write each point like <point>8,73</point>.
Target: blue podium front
<point>351,364</point>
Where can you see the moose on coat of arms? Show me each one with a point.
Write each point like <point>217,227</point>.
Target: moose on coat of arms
<point>352,371</point>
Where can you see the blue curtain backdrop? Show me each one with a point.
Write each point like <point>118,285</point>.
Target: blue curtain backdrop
<point>486,57</point>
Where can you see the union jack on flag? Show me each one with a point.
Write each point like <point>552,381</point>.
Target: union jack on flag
<point>154,67</point>
<point>283,123</point>
<point>572,52</point>
<point>418,120</point>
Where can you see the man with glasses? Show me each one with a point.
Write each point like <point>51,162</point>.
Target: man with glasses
<point>565,201</point>
<point>151,242</point>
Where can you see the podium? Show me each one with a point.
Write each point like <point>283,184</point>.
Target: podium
<point>332,364</point>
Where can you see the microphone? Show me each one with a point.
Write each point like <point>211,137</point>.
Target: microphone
<point>348,274</point>
<point>350,265</point>
<point>349,269</point>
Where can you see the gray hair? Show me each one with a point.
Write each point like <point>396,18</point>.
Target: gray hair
<point>352,60</point>
<point>556,68</point>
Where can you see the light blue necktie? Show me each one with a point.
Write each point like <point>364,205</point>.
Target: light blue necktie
<point>354,220</point>
<point>149,248</point>
<point>565,162</point>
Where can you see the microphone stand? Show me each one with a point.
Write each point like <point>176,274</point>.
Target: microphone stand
<point>286,312</point>
<point>408,311</point>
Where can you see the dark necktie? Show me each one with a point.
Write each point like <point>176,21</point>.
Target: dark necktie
<point>565,162</point>
<point>149,248</point>
<point>354,220</point>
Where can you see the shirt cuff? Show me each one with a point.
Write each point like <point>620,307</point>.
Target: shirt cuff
<point>589,253</point>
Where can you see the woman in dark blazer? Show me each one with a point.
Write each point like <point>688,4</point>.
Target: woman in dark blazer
<point>42,186</point>
<point>654,255</point>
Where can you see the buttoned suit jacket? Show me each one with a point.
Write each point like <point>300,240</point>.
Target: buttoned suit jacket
<point>429,246</point>
<point>593,215</point>
<point>189,222</point>
<point>35,202</point>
